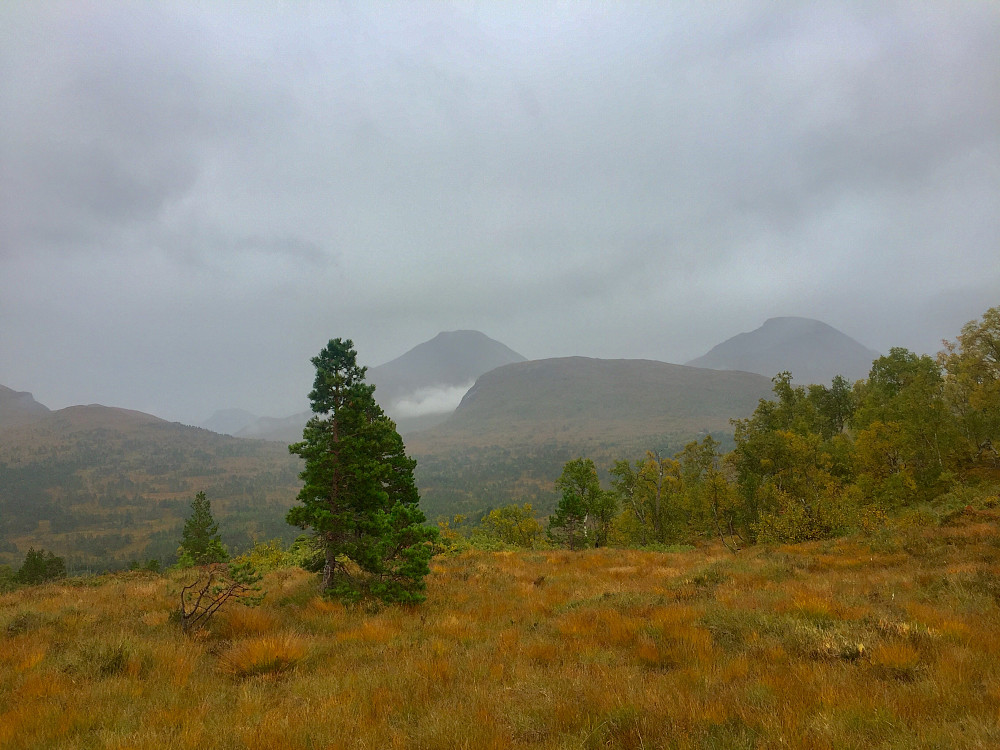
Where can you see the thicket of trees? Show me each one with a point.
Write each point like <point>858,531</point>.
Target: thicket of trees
<point>39,566</point>
<point>811,462</point>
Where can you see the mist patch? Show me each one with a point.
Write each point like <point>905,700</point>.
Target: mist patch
<point>438,399</point>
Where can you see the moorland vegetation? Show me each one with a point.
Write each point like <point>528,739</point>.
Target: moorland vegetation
<point>880,640</point>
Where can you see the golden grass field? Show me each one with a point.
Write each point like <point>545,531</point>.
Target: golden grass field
<point>890,641</point>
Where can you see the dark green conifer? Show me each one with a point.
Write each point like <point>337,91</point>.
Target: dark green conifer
<point>359,496</point>
<point>200,542</point>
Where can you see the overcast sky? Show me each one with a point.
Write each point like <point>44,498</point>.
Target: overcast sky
<point>196,196</point>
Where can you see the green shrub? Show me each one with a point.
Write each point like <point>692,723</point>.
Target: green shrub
<point>267,556</point>
<point>828,514</point>
<point>150,566</point>
<point>513,525</point>
<point>307,553</point>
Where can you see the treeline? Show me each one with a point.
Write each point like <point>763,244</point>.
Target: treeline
<point>472,480</point>
<point>812,462</point>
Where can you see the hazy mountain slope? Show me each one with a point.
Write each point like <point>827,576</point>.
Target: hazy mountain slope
<point>515,428</point>
<point>812,351</point>
<point>279,429</point>
<point>418,389</point>
<point>104,486</point>
<point>18,407</point>
<point>229,421</point>
<point>598,398</point>
<point>450,359</point>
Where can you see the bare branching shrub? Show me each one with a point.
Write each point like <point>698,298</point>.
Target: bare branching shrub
<point>216,585</point>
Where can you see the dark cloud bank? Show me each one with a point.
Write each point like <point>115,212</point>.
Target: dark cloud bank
<point>194,199</point>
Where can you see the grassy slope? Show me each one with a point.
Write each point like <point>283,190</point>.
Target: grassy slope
<point>858,643</point>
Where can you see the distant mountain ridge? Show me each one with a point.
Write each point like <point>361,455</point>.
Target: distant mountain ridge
<point>18,407</point>
<point>120,480</point>
<point>229,421</point>
<point>280,429</point>
<point>418,389</point>
<point>106,484</point>
<point>811,350</point>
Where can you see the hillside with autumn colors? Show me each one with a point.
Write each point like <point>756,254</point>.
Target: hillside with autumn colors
<point>104,486</point>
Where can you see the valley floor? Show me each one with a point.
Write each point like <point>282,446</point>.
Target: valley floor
<point>884,642</point>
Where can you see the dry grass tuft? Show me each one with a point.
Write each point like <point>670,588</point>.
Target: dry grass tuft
<point>242,621</point>
<point>155,619</point>
<point>263,655</point>
<point>897,661</point>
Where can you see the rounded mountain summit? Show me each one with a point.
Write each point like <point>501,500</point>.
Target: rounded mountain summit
<point>811,350</point>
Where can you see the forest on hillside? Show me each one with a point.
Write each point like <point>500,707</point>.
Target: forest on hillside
<point>103,499</point>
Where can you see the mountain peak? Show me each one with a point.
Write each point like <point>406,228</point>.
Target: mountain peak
<point>423,386</point>
<point>464,349</point>
<point>450,359</point>
<point>465,334</point>
<point>418,389</point>
<point>813,351</point>
<point>794,321</point>
<point>18,407</point>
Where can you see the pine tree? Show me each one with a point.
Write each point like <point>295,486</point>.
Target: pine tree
<point>200,542</point>
<point>359,496</point>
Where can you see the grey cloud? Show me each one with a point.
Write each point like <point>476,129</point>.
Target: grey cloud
<point>130,108</point>
<point>233,188</point>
